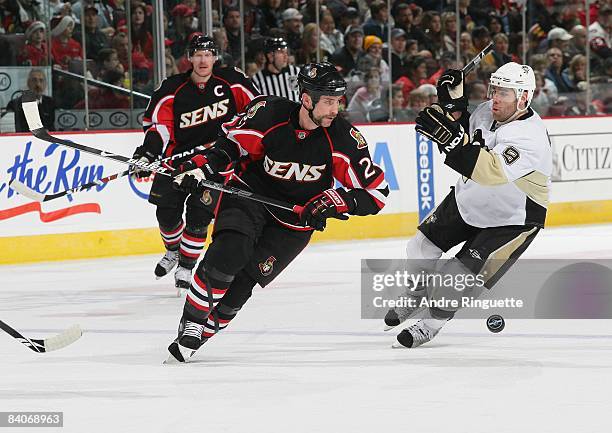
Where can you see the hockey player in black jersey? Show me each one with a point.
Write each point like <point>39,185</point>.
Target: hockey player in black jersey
<point>291,152</point>
<point>187,111</point>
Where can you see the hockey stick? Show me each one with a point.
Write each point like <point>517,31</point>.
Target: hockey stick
<point>476,60</point>
<point>56,342</point>
<point>24,190</point>
<point>30,109</point>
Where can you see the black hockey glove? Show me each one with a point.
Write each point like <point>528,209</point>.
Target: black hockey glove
<point>188,175</point>
<point>441,128</point>
<point>450,91</point>
<point>142,156</point>
<point>331,203</point>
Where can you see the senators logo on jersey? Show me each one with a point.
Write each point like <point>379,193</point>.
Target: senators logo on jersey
<point>204,114</point>
<point>293,170</point>
<point>361,142</point>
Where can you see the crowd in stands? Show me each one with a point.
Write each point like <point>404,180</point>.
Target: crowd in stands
<point>358,36</point>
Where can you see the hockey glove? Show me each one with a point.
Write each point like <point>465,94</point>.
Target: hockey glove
<point>143,157</point>
<point>440,126</point>
<point>188,176</point>
<point>331,203</point>
<point>450,91</point>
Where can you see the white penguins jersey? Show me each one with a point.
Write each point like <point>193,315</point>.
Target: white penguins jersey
<point>510,182</point>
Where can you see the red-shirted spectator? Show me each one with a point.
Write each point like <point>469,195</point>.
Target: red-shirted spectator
<point>142,40</point>
<point>105,98</point>
<point>63,47</point>
<point>35,51</point>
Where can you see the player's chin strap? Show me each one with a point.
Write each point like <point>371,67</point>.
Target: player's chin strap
<point>516,115</point>
<point>315,99</point>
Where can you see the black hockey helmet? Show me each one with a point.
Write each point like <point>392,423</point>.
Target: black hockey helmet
<point>321,79</point>
<point>201,42</point>
<point>273,44</point>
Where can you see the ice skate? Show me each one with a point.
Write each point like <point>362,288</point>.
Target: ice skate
<point>408,308</point>
<point>416,335</point>
<point>187,343</point>
<point>166,264</point>
<point>182,280</point>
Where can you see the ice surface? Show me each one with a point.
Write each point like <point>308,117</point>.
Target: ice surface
<point>298,358</point>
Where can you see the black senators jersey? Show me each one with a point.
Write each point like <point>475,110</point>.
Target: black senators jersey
<point>182,115</point>
<point>285,162</point>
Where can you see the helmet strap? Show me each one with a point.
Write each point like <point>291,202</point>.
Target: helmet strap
<point>315,99</point>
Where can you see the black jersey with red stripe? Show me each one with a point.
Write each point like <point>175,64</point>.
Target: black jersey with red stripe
<point>182,115</point>
<point>283,161</point>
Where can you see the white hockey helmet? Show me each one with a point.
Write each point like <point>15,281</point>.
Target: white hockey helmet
<point>514,76</point>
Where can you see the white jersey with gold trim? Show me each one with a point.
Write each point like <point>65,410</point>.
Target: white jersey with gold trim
<point>512,187</point>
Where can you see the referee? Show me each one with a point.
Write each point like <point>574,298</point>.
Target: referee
<point>278,78</point>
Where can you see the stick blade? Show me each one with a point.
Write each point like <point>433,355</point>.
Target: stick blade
<point>22,189</point>
<point>29,103</point>
<point>64,339</point>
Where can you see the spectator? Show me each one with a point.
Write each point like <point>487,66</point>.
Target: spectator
<point>63,47</point>
<point>398,53</point>
<point>373,47</point>
<point>430,91</point>
<point>476,93</point>
<point>35,51</point>
<point>101,98</point>
<point>448,60</point>
<point>377,24</point>
<point>350,18</point>
<point>432,26</point>
<point>310,46</point>
<point>559,38</point>
<point>449,31</point>
<point>108,60</point>
<point>577,44</point>
<point>416,74</point>
<point>220,37</point>
<point>254,22</point>
<point>272,11</point>
<point>541,100</point>
<point>495,25</point>
<point>232,24</point>
<point>417,102</point>
<point>171,68</point>
<point>554,71</point>
<point>37,83</point>
<point>120,44</point>
<point>499,56</point>
<point>363,98</point>
<point>142,39</point>
<point>404,19</point>
<point>412,48</point>
<point>400,114</point>
<point>480,38</point>
<point>292,25</point>
<point>185,24</point>
<point>600,37</point>
<point>347,57</point>
<point>331,39</point>
<point>575,74</point>
<point>95,40</point>
<point>466,47</point>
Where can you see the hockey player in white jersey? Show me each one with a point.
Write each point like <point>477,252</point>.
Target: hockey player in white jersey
<point>498,204</point>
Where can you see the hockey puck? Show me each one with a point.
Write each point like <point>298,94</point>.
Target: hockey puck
<point>496,323</point>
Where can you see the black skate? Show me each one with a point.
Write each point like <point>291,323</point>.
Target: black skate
<point>187,343</point>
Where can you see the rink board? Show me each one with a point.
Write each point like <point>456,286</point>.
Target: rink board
<point>117,219</point>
